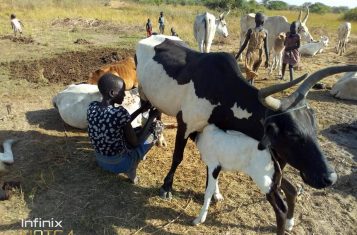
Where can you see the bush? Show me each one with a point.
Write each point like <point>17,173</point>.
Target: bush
<point>351,15</point>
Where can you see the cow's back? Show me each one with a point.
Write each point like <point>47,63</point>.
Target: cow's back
<point>155,83</point>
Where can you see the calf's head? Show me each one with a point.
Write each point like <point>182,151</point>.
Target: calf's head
<point>290,130</point>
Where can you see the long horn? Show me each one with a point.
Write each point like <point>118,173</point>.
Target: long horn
<point>299,17</point>
<point>221,16</point>
<point>227,12</point>
<point>306,16</point>
<point>271,102</point>
<point>319,75</point>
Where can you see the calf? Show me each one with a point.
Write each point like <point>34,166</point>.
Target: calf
<point>312,48</point>
<point>208,88</point>
<point>343,33</point>
<point>235,151</point>
<point>277,53</point>
<point>346,87</point>
<point>125,69</point>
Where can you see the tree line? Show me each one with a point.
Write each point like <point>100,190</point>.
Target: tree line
<point>246,6</point>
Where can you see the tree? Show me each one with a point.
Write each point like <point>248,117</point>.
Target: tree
<point>277,5</point>
<point>319,8</point>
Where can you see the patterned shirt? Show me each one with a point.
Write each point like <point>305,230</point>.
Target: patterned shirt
<point>106,128</point>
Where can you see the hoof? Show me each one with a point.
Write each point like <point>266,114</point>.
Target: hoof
<point>196,222</point>
<point>289,224</point>
<point>165,195</point>
<point>218,197</point>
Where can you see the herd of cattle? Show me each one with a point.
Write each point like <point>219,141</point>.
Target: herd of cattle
<point>235,125</point>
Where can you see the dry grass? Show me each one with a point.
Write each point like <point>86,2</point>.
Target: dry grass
<point>55,163</point>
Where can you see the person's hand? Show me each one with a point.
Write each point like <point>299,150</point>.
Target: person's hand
<point>266,63</point>
<point>145,106</point>
<point>154,112</point>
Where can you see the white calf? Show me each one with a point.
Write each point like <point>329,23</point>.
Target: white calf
<point>343,31</point>
<point>312,48</point>
<point>233,151</point>
<point>346,87</point>
<point>277,53</point>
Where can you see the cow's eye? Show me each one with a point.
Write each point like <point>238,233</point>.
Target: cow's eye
<point>294,137</point>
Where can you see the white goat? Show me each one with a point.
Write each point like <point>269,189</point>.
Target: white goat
<point>346,87</point>
<point>312,48</point>
<point>72,104</point>
<point>277,53</point>
<point>233,151</point>
<point>344,31</point>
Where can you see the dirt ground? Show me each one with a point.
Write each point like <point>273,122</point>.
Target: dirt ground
<point>60,180</point>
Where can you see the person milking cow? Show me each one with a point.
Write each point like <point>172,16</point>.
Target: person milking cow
<point>256,38</point>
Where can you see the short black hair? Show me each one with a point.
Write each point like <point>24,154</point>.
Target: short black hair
<point>12,16</point>
<point>108,82</point>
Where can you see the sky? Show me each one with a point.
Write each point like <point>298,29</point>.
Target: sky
<point>348,3</point>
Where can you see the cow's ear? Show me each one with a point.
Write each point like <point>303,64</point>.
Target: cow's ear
<point>221,16</point>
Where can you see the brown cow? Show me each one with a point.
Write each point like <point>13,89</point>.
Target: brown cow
<point>125,69</point>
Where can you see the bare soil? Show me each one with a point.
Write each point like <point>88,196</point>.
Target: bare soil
<point>60,179</point>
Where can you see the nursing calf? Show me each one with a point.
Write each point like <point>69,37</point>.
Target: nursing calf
<point>208,88</point>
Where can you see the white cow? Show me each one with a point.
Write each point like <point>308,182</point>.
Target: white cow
<point>275,25</point>
<point>346,87</point>
<point>72,104</point>
<point>312,48</point>
<point>344,31</point>
<point>205,27</point>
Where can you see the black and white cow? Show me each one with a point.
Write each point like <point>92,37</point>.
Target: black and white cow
<point>201,89</point>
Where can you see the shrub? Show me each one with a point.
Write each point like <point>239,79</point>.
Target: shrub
<point>351,15</point>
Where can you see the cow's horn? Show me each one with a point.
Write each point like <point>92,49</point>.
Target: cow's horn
<point>271,102</point>
<point>319,75</point>
<point>306,16</point>
<point>221,16</point>
<point>299,17</point>
<point>227,12</point>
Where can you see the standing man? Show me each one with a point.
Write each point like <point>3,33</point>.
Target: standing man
<point>256,38</point>
<point>16,24</point>
<point>161,23</point>
<point>148,28</point>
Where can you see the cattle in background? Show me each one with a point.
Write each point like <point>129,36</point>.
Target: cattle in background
<point>346,87</point>
<point>126,69</point>
<point>277,53</point>
<point>275,25</point>
<point>312,48</point>
<point>208,88</point>
<point>344,30</point>
<point>205,27</point>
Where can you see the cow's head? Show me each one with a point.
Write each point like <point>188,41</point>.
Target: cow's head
<point>290,129</point>
<point>302,29</point>
<point>221,24</point>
